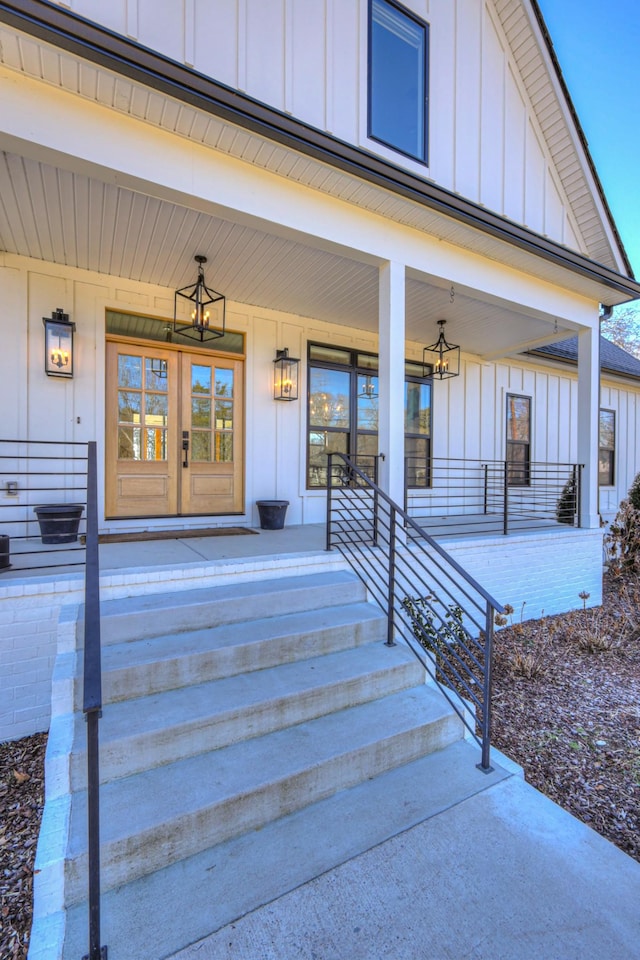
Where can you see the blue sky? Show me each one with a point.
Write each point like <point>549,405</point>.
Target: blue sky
<point>598,47</point>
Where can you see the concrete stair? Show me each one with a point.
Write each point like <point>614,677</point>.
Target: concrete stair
<point>229,711</point>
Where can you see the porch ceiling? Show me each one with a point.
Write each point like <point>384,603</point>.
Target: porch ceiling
<point>52,214</point>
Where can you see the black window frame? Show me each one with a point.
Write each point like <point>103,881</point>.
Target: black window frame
<point>354,431</point>
<point>423,159</point>
<point>518,470</point>
<point>609,452</point>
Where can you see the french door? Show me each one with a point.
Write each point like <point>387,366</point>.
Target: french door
<point>174,432</point>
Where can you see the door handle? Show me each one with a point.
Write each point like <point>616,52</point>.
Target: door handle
<point>185,447</point>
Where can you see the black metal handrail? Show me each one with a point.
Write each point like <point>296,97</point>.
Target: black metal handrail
<point>466,497</point>
<point>430,601</point>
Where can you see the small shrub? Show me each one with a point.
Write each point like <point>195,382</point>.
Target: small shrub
<point>623,540</point>
<point>567,503</point>
<point>634,493</point>
<point>433,635</point>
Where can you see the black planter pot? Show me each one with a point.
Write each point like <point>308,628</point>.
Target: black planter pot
<point>272,513</point>
<point>4,552</point>
<point>59,522</point>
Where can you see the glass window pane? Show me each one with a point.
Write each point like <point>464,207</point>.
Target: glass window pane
<point>321,443</point>
<point>201,446</point>
<point>224,383</point>
<point>224,447</point>
<point>129,406</point>
<point>605,468</point>
<point>329,354</point>
<point>607,429</point>
<point>130,371</point>
<point>155,374</point>
<point>200,379</point>
<point>200,412</point>
<point>397,84</point>
<point>224,415</point>
<point>517,457</point>
<point>156,409</point>
<point>417,408</point>
<point>129,443</point>
<point>367,402</point>
<point>155,444</point>
<point>329,397</point>
<point>417,457</point>
<point>518,417</point>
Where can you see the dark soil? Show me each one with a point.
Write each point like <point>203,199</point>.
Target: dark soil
<point>566,707</point>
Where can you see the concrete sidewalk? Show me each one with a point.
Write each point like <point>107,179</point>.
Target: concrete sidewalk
<point>502,875</point>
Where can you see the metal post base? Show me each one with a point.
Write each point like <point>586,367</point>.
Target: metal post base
<point>101,956</point>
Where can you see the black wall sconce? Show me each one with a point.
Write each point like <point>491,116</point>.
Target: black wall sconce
<point>447,357</point>
<point>200,299</point>
<point>58,344</point>
<point>285,376</point>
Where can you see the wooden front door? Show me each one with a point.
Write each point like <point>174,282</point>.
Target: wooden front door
<point>174,438</point>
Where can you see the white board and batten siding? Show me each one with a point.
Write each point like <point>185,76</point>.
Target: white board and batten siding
<point>308,58</point>
<point>624,400</point>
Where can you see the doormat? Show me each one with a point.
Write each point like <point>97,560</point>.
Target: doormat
<point>174,534</point>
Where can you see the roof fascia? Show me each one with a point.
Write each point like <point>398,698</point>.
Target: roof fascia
<point>81,37</point>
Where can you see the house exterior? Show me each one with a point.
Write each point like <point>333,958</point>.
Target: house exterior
<point>339,228</point>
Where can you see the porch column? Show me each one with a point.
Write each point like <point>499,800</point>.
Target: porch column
<point>391,325</point>
<point>588,422</point>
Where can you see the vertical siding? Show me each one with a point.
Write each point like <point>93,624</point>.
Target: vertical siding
<point>309,58</point>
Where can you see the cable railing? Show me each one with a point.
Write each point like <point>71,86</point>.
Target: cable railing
<point>49,521</point>
<point>460,497</point>
<point>431,603</point>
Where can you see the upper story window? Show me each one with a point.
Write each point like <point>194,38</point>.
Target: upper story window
<point>607,448</point>
<point>398,78</point>
<point>518,440</point>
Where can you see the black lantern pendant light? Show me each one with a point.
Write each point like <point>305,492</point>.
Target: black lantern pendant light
<point>447,357</point>
<point>200,300</point>
<point>368,391</point>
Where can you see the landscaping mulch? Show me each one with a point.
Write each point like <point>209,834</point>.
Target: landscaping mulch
<point>566,707</point>
<point>21,802</point>
<point>566,702</point>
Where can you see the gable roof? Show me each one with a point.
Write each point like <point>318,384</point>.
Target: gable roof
<point>613,359</point>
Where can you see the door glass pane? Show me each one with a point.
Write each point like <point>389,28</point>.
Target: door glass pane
<point>224,383</point>
<point>224,415</point>
<point>200,379</point>
<point>129,443</point>
<point>156,410</point>
<point>417,400</point>
<point>201,446</point>
<point>200,412</point>
<point>155,444</point>
<point>129,406</point>
<point>155,374</point>
<point>518,418</point>
<point>329,397</point>
<point>224,447</point>
<point>130,371</point>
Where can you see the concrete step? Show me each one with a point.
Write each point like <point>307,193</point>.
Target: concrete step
<point>139,669</point>
<point>155,916</point>
<point>160,729</point>
<point>172,812</point>
<point>136,618</point>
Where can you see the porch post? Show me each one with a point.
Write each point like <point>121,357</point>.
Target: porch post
<point>391,327</point>
<point>588,422</point>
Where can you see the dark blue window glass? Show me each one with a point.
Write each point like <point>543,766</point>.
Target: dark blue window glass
<point>398,79</point>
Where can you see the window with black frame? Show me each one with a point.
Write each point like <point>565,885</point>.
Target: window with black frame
<point>343,413</point>
<point>398,78</point>
<point>607,448</point>
<point>518,452</point>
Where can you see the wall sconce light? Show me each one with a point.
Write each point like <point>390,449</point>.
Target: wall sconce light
<point>58,344</point>
<point>200,300</point>
<point>447,357</point>
<point>285,376</point>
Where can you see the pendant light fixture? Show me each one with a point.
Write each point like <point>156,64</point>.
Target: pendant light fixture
<point>200,299</point>
<point>446,362</point>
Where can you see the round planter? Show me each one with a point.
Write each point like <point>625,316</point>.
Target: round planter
<point>4,552</point>
<point>59,522</point>
<point>272,513</point>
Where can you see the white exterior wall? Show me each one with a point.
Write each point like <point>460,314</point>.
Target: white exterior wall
<point>309,58</point>
<point>625,401</point>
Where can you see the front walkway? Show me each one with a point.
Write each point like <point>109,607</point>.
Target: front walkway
<point>504,874</point>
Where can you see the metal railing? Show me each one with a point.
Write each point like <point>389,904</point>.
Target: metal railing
<point>430,601</point>
<point>466,497</point>
<point>48,521</point>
